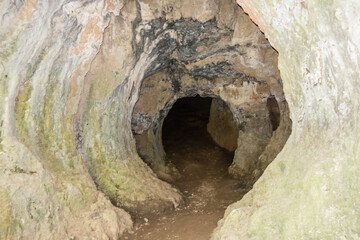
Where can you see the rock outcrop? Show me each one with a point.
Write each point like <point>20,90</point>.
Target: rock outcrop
<point>77,77</point>
<point>310,191</point>
<point>71,73</point>
<point>46,191</point>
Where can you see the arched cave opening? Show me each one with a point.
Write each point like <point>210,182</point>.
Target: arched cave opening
<point>187,134</point>
<point>195,134</point>
<point>208,115</point>
<point>74,73</point>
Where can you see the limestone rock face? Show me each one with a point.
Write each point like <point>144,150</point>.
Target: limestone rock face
<point>45,189</point>
<point>222,126</point>
<point>212,58</point>
<point>77,78</point>
<point>311,190</point>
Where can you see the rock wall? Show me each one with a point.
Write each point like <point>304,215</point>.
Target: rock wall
<point>222,127</point>
<point>310,191</point>
<point>232,61</point>
<point>45,190</point>
<point>70,77</point>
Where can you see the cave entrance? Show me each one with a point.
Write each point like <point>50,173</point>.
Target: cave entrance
<point>203,165</point>
<point>191,132</point>
<point>199,137</point>
<point>187,119</point>
<point>191,143</point>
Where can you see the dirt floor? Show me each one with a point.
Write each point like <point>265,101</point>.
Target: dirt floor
<point>205,184</point>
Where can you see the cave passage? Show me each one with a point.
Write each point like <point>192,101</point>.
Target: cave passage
<point>188,144</point>
<point>205,183</point>
<point>187,119</point>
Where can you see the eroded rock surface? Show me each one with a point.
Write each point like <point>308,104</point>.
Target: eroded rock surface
<point>211,59</point>
<point>45,189</point>
<point>311,189</point>
<point>71,74</point>
<point>221,126</point>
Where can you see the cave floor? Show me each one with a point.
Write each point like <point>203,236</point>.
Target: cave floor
<point>207,188</point>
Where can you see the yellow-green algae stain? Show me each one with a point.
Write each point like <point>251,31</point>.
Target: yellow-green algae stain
<point>45,131</point>
<point>9,226</point>
<point>3,87</point>
<point>110,173</point>
<point>22,113</point>
<point>73,191</point>
<point>8,49</point>
<point>23,97</point>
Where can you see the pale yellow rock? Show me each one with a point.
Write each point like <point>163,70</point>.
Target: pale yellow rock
<point>222,126</point>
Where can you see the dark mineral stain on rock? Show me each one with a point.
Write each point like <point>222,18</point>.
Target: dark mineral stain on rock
<point>190,36</point>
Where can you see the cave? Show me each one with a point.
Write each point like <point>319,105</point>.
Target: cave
<point>200,116</point>
<point>86,86</point>
<point>187,119</point>
<point>200,168</point>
